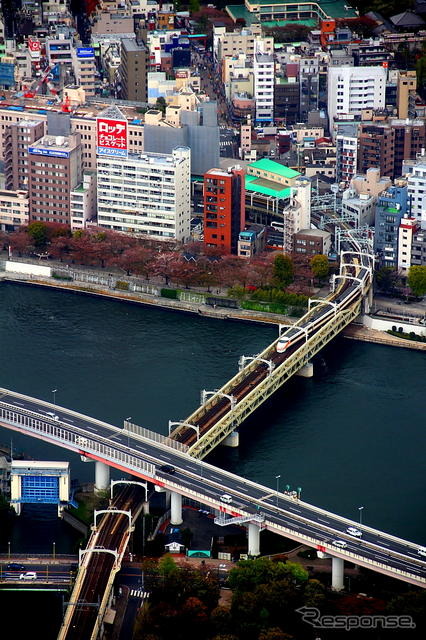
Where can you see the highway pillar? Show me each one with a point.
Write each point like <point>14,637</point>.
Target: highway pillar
<point>307,371</point>
<point>176,508</point>
<point>337,573</point>
<point>233,440</point>
<point>101,476</point>
<point>253,539</point>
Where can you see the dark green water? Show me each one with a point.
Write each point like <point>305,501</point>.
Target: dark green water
<point>352,436</point>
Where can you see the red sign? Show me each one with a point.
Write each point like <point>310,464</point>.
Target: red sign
<point>34,45</point>
<point>112,137</point>
<point>385,65</point>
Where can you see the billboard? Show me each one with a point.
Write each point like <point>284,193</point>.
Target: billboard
<point>55,153</point>
<point>85,52</point>
<point>111,137</point>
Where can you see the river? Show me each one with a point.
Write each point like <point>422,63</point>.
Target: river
<point>351,436</point>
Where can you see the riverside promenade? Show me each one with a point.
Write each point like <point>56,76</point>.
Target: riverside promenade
<point>105,288</point>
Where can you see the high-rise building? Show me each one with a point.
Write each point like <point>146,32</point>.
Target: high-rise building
<point>146,194</point>
<point>133,70</point>
<point>406,94</point>
<point>264,78</point>
<point>84,68</point>
<point>309,85</point>
<point>376,148</point>
<point>387,144</point>
<point>224,208</point>
<point>346,152</point>
<point>390,208</point>
<point>416,186</point>
<point>17,137</point>
<point>55,169</point>
<point>353,89</point>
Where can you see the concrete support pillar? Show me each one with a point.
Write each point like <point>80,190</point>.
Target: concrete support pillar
<point>176,508</point>
<point>253,539</point>
<point>307,371</point>
<point>145,508</point>
<point>17,506</point>
<point>233,440</point>
<point>337,573</point>
<point>101,476</point>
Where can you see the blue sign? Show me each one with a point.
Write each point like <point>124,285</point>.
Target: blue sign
<point>106,151</point>
<point>85,52</point>
<point>55,153</point>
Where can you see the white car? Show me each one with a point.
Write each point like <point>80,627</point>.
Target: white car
<point>29,575</point>
<point>422,552</point>
<point>226,498</point>
<point>354,532</point>
<point>340,543</point>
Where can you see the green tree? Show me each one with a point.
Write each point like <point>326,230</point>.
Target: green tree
<point>417,280</point>
<point>161,104</point>
<point>319,266</point>
<point>283,270</point>
<point>194,6</point>
<point>314,593</point>
<point>167,566</point>
<point>386,278</point>
<point>38,233</point>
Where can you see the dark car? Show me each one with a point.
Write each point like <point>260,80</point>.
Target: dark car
<point>167,468</point>
<point>14,566</point>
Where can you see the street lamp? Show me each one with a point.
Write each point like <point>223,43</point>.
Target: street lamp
<point>8,550</point>
<point>299,491</point>
<point>128,436</point>
<point>277,478</point>
<point>360,514</point>
<point>54,550</point>
<point>54,400</point>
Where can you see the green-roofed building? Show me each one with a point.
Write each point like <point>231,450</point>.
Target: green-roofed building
<point>276,193</point>
<point>254,11</point>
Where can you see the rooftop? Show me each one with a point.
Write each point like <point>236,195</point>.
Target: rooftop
<point>274,167</point>
<point>267,187</point>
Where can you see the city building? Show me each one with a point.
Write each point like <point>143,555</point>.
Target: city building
<point>133,70</point>
<point>146,194</point>
<point>255,11</point>
<point>406,94</point>
<point>376,148</point>
<point>415,171</point>
<point>308,85</point>
<point>354,89</point>
<point>83,202</point>
<point>251,241</point>
<point>371,183</point>
<point>286,100</point>
<point>264,78</point>
<point>55,169</point>
<point>84,66</point>
<point>224,208</point>
<point>14,210</point>
<point>390,209</point>
<point>17,137</point>
<point>346,152</point>
<point>311,242</point>
<point>361,207</point>
<point>408,228</point>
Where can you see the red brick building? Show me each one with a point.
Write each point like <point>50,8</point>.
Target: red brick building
<point>224,208</point>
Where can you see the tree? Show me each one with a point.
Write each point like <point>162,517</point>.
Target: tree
<point>21,242</point>
<point>161,104</point>
<point>417,280</point>
<point>283,270</point>
<point>319,266</point>
<point>194,6</point>
<point>386,278</point>
<point>38,233</point>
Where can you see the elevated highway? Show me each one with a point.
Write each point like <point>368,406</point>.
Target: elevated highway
<point>137,453</point>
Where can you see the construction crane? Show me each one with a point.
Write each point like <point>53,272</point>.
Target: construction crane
<point>37,84</point>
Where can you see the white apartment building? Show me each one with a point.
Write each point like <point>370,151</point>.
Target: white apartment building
<point>264,78</point>
<point>83,202</point>
<point>146,194</point>
<point>416,187</point>
<point>84,69</point>
<point>407,228</point>
<point>353,89</point>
